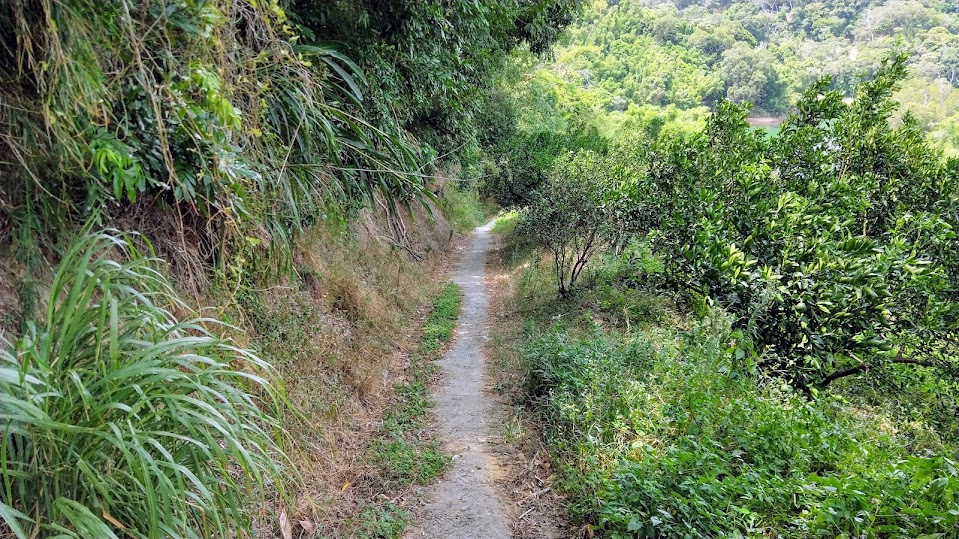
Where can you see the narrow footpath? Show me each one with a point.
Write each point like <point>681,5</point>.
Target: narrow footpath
<point>464,503</point>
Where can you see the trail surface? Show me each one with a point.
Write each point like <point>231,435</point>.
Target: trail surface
<point>464,504</point>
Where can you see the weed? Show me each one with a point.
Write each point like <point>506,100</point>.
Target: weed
<point>408,462</point>
<point>513,429</point>
<point>662,441</point>
<point>382,521</point>
<point>121,418</point>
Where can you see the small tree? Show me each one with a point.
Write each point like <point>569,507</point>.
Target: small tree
<point>566,216</point>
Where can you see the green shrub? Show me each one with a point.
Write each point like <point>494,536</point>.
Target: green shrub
<point>386,521</point>
<point>463,208</point>
<point>831,244</point>
<point>119,419</point>
<point>670,440</point>
<point>566,217</point>
<point>116,102</point>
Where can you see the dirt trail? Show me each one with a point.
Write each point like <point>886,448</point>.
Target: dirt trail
<point>465,504</point>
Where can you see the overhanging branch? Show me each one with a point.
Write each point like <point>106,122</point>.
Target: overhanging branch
<point>863,367</point>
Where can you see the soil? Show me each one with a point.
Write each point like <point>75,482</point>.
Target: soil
<point>466,502</point>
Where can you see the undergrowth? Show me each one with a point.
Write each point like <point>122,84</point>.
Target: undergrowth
<point>658,430</point>
<point>463,208</point>
<point>381,521</point>
<point>402,454</point>
<point>122,417</point>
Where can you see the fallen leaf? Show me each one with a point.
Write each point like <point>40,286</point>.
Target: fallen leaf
<point>307,526</point>
<point>112,520</point>
<point>285,528</point>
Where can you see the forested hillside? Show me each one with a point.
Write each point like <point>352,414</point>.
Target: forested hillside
<point>687,54</point>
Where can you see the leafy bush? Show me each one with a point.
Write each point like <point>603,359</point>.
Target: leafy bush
<point>526,159</point>
<point>660,436</point>
<point>122,420</point>
<point>108,103</point>
<point>431,62</point>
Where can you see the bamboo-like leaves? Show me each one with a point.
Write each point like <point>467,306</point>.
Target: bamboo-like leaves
<point>119,419</point>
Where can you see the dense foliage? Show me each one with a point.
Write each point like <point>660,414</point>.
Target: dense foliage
<point>221,130</point>
<point>657,440</point>
<point>832,244</point>
<point>432,63</point>
<point>216,107</point>
<point>829,248</point>
<point>245,118</point>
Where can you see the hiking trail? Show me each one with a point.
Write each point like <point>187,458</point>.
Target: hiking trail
<point>464,503</point>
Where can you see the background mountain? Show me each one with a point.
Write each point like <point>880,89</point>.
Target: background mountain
<point>686,54</point>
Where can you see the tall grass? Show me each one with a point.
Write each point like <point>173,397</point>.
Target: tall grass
<point>118,419</point>
<point>463,208</point>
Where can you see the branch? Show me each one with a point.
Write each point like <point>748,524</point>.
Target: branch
<point>862,367</point>
<point>582,258</point>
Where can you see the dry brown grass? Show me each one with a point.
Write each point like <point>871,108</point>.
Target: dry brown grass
<point>339,335</point>
<point>9,275</point>
<point>362,301</point>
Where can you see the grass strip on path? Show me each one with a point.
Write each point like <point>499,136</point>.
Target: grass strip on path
<point>404,452</point>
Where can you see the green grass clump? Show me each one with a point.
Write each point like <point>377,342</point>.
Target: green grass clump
<point>402,457</point>
<point>463,208</point>
<point>386,521</point>
<point>659,435</point>
<point>119,419</point>
<point>438,329</point>
<point>506,223</point>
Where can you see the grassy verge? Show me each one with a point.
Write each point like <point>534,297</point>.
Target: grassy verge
<point>464,208</point>
<point>336,332</point>
<point>332,326</point>
<point>656,430</point>
<point>403,455</point>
